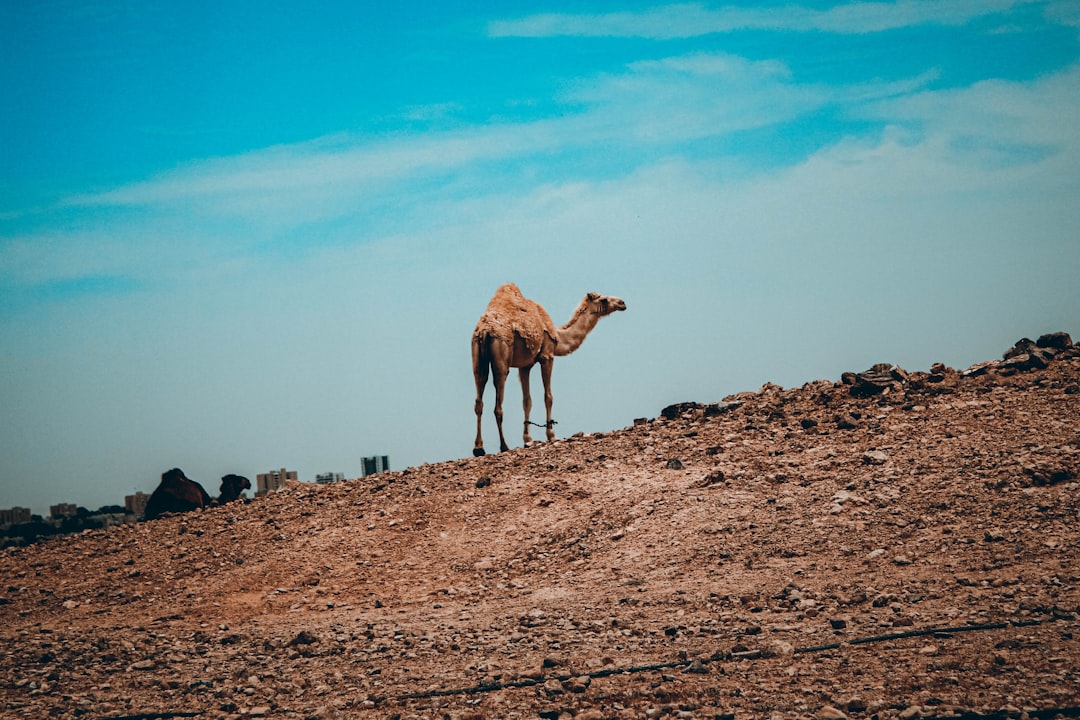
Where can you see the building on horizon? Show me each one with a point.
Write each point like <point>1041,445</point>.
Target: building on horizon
<point>136,504</point>
<point>63,510</point>
<point>15,516</point>
<point>327,478</point>
<point>273,481</point>
<point>376,464</point>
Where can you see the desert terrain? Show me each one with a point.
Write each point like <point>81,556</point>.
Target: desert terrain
<point>889,544</point>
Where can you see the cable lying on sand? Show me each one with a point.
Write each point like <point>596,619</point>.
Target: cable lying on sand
<point>699,664</point>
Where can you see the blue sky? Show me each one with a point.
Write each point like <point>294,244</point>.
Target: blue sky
<point>240,236</point>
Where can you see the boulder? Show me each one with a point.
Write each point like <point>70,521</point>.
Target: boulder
<point>874,381</point>
<point>1057,341</point>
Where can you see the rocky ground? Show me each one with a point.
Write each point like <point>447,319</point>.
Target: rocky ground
<point>891,545</point>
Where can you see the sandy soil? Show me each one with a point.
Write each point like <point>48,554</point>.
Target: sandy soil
<point>894,545</point>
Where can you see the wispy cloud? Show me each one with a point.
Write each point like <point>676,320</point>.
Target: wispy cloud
<point>714,94</point>
<point>347,189</point>
<point>692,19</point>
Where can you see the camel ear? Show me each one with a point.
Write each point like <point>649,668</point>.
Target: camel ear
<point>592,297</point>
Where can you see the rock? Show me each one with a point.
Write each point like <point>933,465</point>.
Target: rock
<point>1049,472</point>
<point>679,409</point>
<point>808,423</point>
<point>143,665</point>
<point>777,648</point>
<point>697,668</point>
<point>674,464</point>
<point>838,623</point>
<point>483,483</point>
<point>856,705</point>
<point>554,687</point>
<point>847,422</point>
<point>828,712</point>
<point>1057,340</point>
<point>876,380</point>
<point>578,684</point>
<point>874,457</point>
<point>303,638</point>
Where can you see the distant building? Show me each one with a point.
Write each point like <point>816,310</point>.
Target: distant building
<point>63,510</point>
<point>15,516</point>
<point>327,478</point>
<point>136,504</point>
<point>273,480</point>
<point>376,464</point>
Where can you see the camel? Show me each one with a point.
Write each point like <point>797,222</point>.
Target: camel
<point>515,332</point>
<point>176,493</point>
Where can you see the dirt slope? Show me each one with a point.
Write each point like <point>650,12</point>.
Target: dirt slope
<point>721,560</point>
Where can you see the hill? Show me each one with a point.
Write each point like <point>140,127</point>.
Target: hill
<point>894,544</point>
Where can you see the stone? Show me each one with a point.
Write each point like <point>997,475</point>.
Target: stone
<point>846,422</point>
<point>1057,340</point>
<point>828,712</point>
<point>856,705</point>
<point>696,667</point>
<point>674,464</point>
<point>303,638</point>
<point>777,648</point>
<point>838,623</point>
<point>554,687</point>
<point>874,457</point>
<point>876,380</point>
<point>679,409</point>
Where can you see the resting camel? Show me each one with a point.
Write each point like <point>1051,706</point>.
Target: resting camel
<point>176,493</point>
<point>518,333</point>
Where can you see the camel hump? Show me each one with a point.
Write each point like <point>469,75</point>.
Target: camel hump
<point>515,320</point>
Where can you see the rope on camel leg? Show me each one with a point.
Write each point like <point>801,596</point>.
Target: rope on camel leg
<point>548,425</point>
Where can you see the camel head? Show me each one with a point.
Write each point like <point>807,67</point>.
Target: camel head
<point>604,304</point>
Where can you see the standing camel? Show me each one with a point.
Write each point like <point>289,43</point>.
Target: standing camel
<point>518,333</point>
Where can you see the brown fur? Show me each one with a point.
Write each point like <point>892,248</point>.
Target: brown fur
<point>176,493</point>
<point>231,488</point>
<point>515,332</point>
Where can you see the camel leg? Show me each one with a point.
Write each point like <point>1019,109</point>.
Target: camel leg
<point>481,363</point>
<point>500,387</point>
<point>526,401</point>
<point>501,355</point>
<point>545,375</point>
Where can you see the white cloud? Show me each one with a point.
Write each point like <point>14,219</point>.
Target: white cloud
<point>996,121</point>
<point>691,19</point>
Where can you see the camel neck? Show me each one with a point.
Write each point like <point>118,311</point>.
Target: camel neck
<point>573,333</point>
